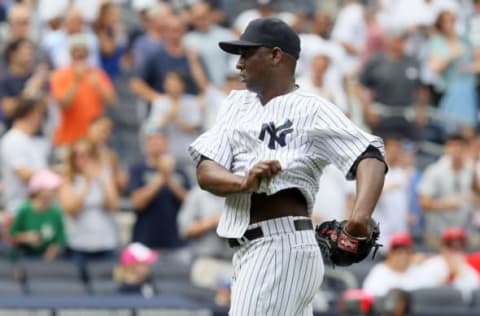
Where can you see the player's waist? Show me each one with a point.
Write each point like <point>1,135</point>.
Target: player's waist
<point>270,227</point>
<point>288,202</point>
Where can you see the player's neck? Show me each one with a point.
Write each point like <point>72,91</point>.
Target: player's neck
<point>276,89</point>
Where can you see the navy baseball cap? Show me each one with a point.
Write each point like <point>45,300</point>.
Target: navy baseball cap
<point>266,32</point>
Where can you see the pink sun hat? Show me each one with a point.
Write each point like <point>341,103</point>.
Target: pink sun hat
<point>44,180</point>
<point>137,253</point>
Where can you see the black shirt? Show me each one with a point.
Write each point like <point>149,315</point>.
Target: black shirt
<point>156,225</point>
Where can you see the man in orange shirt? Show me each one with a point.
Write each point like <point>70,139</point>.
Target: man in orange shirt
<point>81,92</point>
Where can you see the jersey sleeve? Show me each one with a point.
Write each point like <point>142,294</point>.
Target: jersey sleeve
<point>215,143</point>
<point>339,141</point>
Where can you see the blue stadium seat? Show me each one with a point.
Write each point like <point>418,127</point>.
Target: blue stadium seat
<point>437,297</point>
<point>51,270</point>
<point>104,287</point>
<point>39,287</point>
<point>101,269</point>
<point>10,288</point>
<point>185,289</point>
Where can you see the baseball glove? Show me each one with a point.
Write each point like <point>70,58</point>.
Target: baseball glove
<point>340,248</point>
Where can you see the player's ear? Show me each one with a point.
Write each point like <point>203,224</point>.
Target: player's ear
<point>277,54</point>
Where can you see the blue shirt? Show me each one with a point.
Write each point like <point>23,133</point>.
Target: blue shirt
<point>160,63</point>
<point>156,224</point>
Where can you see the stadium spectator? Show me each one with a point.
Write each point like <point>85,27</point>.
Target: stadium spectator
<point>318,43</point>
<point>263,9</point>
<point>392,208</point>
<point>172,56</point>
<point>19,25</point>
<point>450,58</point>
<point>50,14</point>
<point>145,45</point>
<point>89,198</point>
<point>37,229</point>
<point>181,117</point>
<point>156,190</point>
<point>198,219</point>
<point>213,97</point>
<point>99,133</point>
<point>111,38</point>
<point>334,198</point>
<point>350,30</point>
<point>22,152</point>
<point>398,269</point>
<point>22,77</point>
<point>445,190</point>
<point>56,43</point>
<point>391,82</point>
<point>134,275</point>
<point>317,82</point>
<point>450,268</point>
<point>81,92</point>
<point>204,39</point>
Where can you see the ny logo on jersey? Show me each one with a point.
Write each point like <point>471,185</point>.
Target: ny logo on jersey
<point>277,134</point>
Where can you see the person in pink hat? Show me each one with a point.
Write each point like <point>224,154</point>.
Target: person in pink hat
<point>37,229</point>
<point>133,275</point>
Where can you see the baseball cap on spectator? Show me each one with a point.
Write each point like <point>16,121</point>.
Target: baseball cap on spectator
<point>264,2</point>
<point>136,253</point>
<point>395,31</point>
<point>454,234</point>
<point>400,240</point>
<point>44,180</point>
<point>78,40</point>
<point>265,32</point>
<point>142,5</point>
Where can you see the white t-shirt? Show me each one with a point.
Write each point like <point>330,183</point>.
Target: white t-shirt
<point>330,90</point>
<point>213,100</point>
<point>392,208</point>
<point>19,150</point>
<point>330,201</point>
<point>435,272</point>
<point>94,228</point>
<point>350,27</point>
<point>189,112</point>
<point>381,279</point>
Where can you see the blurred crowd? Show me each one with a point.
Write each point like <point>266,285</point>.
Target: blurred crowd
<point>100,99</point>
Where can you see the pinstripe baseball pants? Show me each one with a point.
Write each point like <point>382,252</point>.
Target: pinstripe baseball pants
<point>277,274</point>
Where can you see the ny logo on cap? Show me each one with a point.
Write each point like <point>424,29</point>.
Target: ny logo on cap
<point>277,134</point>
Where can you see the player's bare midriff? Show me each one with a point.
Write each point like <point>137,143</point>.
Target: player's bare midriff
<point>289,202</point>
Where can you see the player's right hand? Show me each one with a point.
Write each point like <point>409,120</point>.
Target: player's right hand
<point>263,170</point>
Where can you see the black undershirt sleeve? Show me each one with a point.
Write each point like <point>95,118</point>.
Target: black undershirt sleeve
<point>370,152</point>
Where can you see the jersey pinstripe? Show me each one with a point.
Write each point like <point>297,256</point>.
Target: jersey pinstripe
<point>301,130</point>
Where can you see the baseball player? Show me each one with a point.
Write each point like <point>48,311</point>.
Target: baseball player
<point>265,154</point>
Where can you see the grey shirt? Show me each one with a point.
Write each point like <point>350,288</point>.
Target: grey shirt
<point>392,82</point>
<point>441,181</point>
<point>20,150</point>
<point>200,205</point>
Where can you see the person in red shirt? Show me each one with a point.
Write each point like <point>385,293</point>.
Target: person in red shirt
<point>81,92</point>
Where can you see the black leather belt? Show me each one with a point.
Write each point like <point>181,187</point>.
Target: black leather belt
<point>255,233</point>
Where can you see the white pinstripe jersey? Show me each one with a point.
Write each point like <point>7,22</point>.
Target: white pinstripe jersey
<point>301,130</point>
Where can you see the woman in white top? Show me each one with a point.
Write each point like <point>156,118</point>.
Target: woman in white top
<point>181,116</point>
<point>89,198</point>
